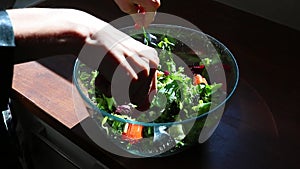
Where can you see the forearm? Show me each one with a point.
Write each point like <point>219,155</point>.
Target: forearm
<point>43,32</point>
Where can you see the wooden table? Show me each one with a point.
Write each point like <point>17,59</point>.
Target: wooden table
<point>260,128</point>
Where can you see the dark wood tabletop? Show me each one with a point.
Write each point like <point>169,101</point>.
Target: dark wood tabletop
<point>259,129</point>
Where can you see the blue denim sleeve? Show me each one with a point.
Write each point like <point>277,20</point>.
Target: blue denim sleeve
<point>7,44</point>
<point>6,30</point>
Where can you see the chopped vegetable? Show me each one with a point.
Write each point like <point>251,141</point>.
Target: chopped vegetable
<point>198,79</point>
<point>132,132</point>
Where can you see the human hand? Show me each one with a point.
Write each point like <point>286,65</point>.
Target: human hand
<point>142,11</point>
<point>128,70</point>
<point>122,50</point>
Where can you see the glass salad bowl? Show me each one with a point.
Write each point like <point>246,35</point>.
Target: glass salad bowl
<point>196,77</point>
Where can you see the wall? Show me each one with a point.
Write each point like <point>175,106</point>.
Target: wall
<point>286,12</point>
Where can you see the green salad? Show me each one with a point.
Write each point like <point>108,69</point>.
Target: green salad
<point>179,96</point>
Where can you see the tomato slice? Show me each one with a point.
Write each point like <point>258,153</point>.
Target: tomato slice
<point>199,79</point>
<point>132,132</point>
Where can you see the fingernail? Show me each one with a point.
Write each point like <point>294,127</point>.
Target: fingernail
<point>135,76</point>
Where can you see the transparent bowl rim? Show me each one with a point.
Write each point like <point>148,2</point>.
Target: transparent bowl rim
<point>104,113</point>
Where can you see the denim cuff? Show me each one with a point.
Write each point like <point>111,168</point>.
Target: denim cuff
<point>7,37</point>
<point>7,45</point>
